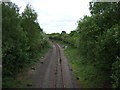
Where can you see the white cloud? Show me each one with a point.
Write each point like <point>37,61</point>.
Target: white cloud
<point>57,15</point>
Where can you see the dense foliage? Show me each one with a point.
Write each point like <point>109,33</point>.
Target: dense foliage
<point>97,38</point>
<point>23,39</point>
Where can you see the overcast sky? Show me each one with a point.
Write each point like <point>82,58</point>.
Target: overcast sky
<point>57,15</point>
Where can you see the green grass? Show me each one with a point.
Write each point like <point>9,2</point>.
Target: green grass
<point>19,81</point>
<point>42,53</point>
<point>86,73</point>
<point>78,68</point>
<point>10,82</point>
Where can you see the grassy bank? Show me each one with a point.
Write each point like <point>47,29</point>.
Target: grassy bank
<point>85,73</point>
<point>80,70</point>
<point>20,81</point>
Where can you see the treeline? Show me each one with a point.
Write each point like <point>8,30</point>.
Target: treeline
<point>22,38</point>
<point>97,38</point>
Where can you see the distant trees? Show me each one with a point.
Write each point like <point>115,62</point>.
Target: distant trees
<point>22,38</point>
<point>63,32</point>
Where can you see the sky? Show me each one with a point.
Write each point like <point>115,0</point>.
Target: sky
<point>57,15</point>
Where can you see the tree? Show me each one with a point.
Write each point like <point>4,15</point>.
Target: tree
<point>63,32</point>
<point>14,40</point>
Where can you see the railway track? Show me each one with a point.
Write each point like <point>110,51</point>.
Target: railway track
<point>59,72</point>
<point>54,72</point>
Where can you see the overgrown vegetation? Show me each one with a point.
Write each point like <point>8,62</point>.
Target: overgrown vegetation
<point>95,43</point>
<point>23,40</point>
<point>97,39</point>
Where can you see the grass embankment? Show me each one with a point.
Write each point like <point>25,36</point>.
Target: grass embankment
<point>20,81</point>
<point>82,71</point>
